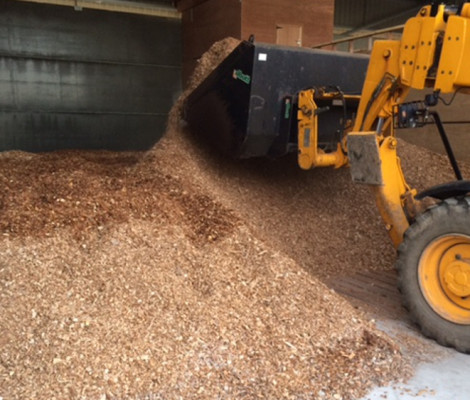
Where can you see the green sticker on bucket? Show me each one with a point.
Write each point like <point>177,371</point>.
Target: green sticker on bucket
<point>238,74</point>
<point>287,111</point>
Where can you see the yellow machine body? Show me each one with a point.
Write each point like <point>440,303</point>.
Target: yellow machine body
<point>309,153</point>
<point>433,258</point>
<point>417,61</point>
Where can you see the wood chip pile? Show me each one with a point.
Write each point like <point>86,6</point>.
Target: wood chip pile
<point>175,274</point>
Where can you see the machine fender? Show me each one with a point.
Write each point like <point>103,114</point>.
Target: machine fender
<point>446,190</point>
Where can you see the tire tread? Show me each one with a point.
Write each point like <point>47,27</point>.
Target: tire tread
<point>408,285</point>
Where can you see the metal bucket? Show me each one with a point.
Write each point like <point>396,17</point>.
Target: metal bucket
<point>246,106</point>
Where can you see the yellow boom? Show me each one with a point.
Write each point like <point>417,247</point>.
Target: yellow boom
<point>433,244</point>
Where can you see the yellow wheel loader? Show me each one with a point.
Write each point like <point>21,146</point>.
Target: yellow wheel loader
<point>343,110</point>
<point>433,244</point>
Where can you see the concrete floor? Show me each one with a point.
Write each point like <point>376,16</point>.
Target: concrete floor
<point>446,376</point>
<point>439,373</point>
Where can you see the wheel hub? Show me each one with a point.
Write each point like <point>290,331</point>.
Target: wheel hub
<point>444,275</point>
<point>457,278</point>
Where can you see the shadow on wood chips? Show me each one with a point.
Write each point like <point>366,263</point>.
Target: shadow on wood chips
<point>85,191</point>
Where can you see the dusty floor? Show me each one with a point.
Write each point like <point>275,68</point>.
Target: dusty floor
<point>443,376</point>
<point>438,372</point>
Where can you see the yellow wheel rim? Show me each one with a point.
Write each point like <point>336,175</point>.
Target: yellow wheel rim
<point>444,277</point>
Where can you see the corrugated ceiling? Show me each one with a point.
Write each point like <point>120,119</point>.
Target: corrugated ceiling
<point>373,14</point>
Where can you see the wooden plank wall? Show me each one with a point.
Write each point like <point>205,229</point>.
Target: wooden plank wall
<point>260,17</point>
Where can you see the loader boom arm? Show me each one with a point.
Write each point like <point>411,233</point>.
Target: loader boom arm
<point>434,52</point>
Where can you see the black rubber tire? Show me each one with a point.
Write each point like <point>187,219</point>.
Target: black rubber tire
<point>452,216</point>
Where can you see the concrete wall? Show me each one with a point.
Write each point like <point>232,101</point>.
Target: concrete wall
<point>84,79</point>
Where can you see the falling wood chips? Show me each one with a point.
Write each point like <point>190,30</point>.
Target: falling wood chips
<point>177,274</point>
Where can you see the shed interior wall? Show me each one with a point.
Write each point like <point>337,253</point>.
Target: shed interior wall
<point>263,17</point>
<point>85,79</point>
<point>206,23</point>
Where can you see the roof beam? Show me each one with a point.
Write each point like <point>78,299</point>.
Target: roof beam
<point>116,6</point>
<point>184,5</point>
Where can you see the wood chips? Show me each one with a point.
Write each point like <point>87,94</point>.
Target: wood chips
<point>176,274</point>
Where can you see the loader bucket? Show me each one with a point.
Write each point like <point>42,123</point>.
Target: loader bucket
<point>245,106</point>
